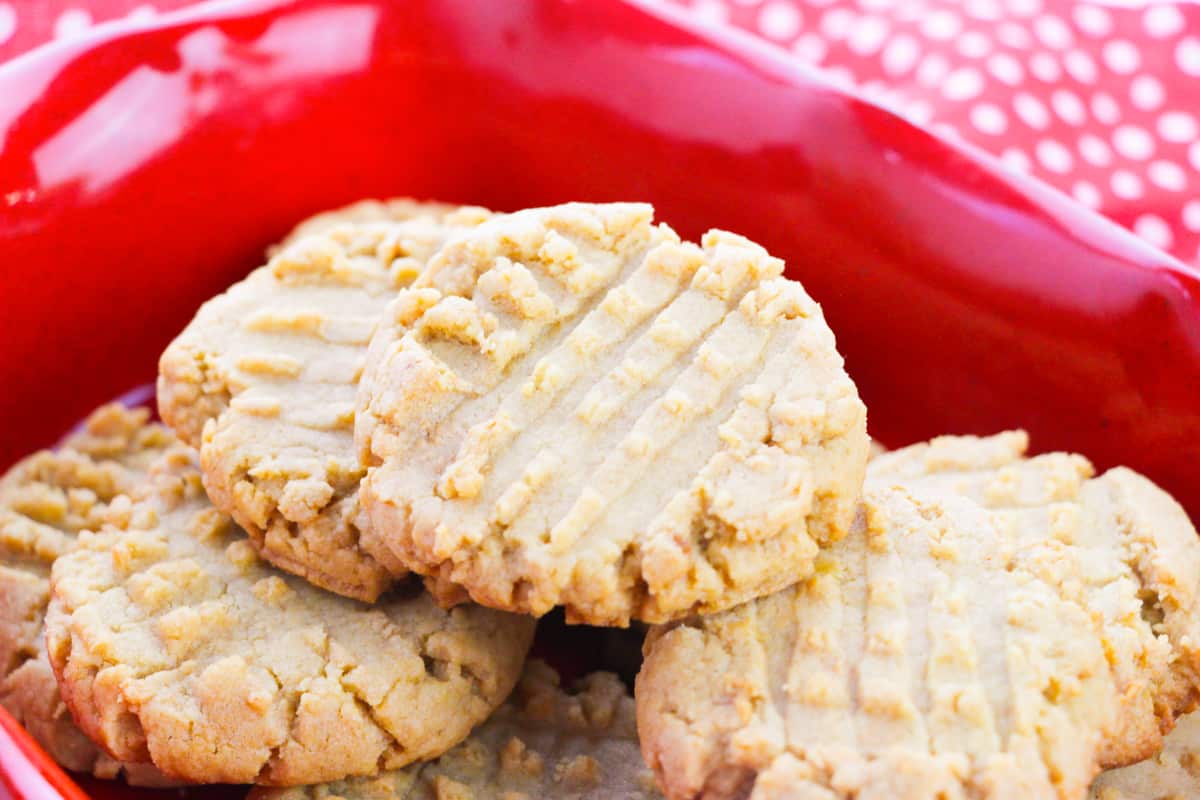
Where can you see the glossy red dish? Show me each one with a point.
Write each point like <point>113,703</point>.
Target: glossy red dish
<point>146,166</point>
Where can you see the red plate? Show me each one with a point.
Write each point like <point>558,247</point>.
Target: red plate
<point>145,167</point>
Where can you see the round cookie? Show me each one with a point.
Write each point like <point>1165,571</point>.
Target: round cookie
<point>262,382</point>
<point>396,209</point>
<point>573,407</point>
<point>173,642</point>
<point>45,501</point>
<point>944,649</point>
<point>545,743</point>
<point>1172,774</point>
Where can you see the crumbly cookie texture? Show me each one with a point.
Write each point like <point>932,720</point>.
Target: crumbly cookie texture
<point>546,743</point>
<point>263,381</point>
<point>396,209</point>
<point>45,501</point>
<point>1172,774</point>
<point>573,407</point>
<point>173,642</point>
<point>1006,632</point>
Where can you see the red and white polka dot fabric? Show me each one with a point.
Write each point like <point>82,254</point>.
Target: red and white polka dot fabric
<point>1101,100</point>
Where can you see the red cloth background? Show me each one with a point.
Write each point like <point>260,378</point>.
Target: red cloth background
<point>1100,100</point>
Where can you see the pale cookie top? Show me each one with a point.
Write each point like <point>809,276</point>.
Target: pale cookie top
<point>396,209</point>
<point>1173,774</point>
<point>173,642</point>
<point>942,650</point>
<point>1138,552</point>
<point>545,743</point>
<point>263,382</point>
<point>45,501</point>
<point>573,407</point>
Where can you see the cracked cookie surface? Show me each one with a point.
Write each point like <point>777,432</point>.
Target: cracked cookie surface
<point>45,501</point>
<point>573,407</point>
<point>545,743</point>
<point>173,642</point>
<point>263,381</point>
<point>993,627</point>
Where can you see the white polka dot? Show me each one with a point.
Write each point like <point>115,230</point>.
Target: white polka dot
<point>974,44</point>
<point>1146,93</point>
<point>1133,142</point>
<point>8,22</point>
<point>1126,185</point>
<point>1054,156</point>
<point>1154,230</point>
<point>810,47</point>
<point>1013,35</point>
<point>900,55</point>
<point>876,5</point>
<point>779,20</point>
<point>713,11</point>
<point>1006,69</point>
<point>1031,111</point>
<point>1053,32</point>
<point>72,22</point>
<point>1016,159</point>
<point>946,130</point>
<point>1191,215</point>
<point>919,112</point>
<point>1086,193</point>
<point>1177,126</point>
<point>1092,20</point>
<point>1068,106</point>
<point>1121,56</point>
<point>1080,66</point>
<point>988,118</point>
<point>941,25</point>
<point>868,36</point>
<point>836,23</point>
<point>933,68</point>
<point>1163,21</point>
<point>1194,155</point>
<point>1105,108</point>
<point>1024,8</point>
<point>1045,67</point>
<point>1095,150</point>
<point>841,76</point>
<point>1167,175</point>
<point>142,13</point>
<point>1187,55</point>
<point>986,10</point>
<point>963,84</point>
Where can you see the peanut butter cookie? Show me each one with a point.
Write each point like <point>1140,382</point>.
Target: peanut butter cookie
<point>993,627</point>
<point>573,407</point>
<point>1172,774</point>
<point>263,380</point>
<point>174,643</point>
<point>544,744</point>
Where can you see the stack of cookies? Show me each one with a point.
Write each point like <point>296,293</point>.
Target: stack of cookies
<point>420,428</point>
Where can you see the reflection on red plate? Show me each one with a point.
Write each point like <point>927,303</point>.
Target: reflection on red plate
<point>145,167</point>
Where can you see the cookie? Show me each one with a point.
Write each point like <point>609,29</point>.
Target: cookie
<point>397,209</point>
<point>572,407</point>
<point>173,642</point>
<point>544,744</point>
<point>944,648</point>
<point>1172,774</point>
<point>45,501</point>
<point>263,380</point>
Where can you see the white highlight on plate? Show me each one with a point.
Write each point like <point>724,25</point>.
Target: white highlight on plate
<point>72,22</point>
<point>779,20</point>
<point>1146,92</point>
<point>1154,230</point>
<point>989,118</point>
